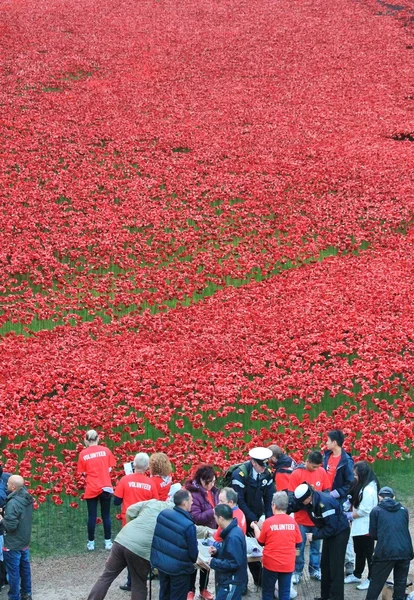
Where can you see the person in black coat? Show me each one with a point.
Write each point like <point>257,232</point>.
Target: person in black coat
<point>255,488</point>
<point>4,477</point>
<point>333,528</point>
<point>174,548</point>
<point>388,524</point>
<point>229,557</point>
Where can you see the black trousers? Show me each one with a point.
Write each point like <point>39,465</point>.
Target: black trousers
<point>380,572</point>
<point>204,577</point>
<point>332,566</point>
<point>364,549</point>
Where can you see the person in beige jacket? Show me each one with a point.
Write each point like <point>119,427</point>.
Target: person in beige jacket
<point>132,548</point>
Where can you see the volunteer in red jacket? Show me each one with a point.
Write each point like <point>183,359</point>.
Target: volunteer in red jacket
<point>314,474</point>
<point>160,471</point>
<point>281,537</point>
<point>135,487</point>
<point>132,488</point>
<point>96,462</point>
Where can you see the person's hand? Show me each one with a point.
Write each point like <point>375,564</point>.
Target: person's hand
<point>309,537</point>
<point>334,494</point>
<point>254,524</point>
<point>212,550</point>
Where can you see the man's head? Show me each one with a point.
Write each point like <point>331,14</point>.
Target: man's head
<point>223,515</point>
<point>277,452</point>
<point>14,483</point>
<point>280,502</point>
<point>228,496</point>
<point>259,457</point>
<point>303,493</point>
<point>386,492</point>
<point>335,439</point>
<point>183,499</point>
<point>141,462</point>
<point>314,461</point>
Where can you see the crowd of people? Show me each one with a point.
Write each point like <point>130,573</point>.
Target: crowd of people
<point>336,506</point>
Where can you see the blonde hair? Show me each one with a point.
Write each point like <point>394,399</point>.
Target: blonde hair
<point>159,464</point>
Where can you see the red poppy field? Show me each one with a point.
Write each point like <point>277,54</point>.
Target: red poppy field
<point>206,233</point>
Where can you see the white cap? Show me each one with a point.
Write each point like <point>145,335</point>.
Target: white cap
<point>302,492</point>
<point>260,453</point>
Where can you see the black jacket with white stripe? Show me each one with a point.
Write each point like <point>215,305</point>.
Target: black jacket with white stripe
<point>327,514</point>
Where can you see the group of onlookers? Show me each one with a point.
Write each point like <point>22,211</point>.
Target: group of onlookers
<point>325,501</point>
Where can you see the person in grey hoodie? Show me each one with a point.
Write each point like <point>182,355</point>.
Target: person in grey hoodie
<point>17,522</point>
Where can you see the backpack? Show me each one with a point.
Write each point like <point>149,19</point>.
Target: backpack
<point>228,475</point>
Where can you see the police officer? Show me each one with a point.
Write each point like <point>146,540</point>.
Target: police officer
<point>253,482</point>
<point>333,528</point>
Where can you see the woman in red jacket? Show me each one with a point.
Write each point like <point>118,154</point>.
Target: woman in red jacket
<point>96,462</point>
<point>160,470</point>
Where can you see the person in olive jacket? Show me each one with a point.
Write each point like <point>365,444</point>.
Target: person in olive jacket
<point>17,522</point>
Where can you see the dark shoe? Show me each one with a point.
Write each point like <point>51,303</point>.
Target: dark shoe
<point>26,596</point>
<point>125,587</point>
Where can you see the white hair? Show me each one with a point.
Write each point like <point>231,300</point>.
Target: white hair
<point>141,461</point>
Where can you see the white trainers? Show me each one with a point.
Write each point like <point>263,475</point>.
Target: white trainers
<point>316,575</point>
<point>108,544</point>
<point>364,585</point>
<point>90,545</point>
<point>352,579</point>
<point>296,577</point>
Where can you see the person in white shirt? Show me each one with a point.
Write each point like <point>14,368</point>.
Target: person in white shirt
<point>363,497</point>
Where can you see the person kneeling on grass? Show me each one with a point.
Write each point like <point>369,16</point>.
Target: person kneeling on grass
<point>229,558</point>
<point>282,538</point>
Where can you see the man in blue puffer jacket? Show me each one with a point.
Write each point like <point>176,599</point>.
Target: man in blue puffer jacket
<point>229,557</point>
<point>174,548</point>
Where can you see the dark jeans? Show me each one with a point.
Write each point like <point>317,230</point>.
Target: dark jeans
<point>230,592</point>
<point>314,551</point>
<point>380,572</point>
<point>204,577</point>
<point>255,569</point>
<point>3,578</point>
<point>269,579</point>
<point>119,558</point>
<point>18,573</point>
<point>364,549</point>
<point>105,499</point>
<point>332,566</point>
<point>173,587</point>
